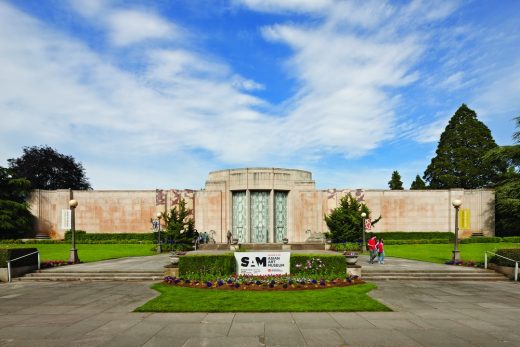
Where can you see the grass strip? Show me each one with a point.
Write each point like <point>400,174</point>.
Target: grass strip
<point>87,252</point>
<point>441,253</point>
<point>344,299</point>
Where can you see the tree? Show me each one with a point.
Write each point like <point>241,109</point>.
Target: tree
<point>345,222</point>
<point>180,227</point>
<point>395,183</point>
<point>459,159</point>
<point>47,169</point>
<point>418,184</point>
<point>15,218</point>
<point>507,191</point>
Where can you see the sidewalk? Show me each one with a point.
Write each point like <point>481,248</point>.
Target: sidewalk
<point>100,314</point>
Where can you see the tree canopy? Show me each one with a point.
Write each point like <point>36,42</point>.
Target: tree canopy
<point>395,182</point>
<point>507,191</point>
<point>418,184</point>
<point>15,218</point>
<point>459,160</point>
<point>47,169</point>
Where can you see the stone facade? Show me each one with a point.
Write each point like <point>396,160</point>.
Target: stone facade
<point>265,205</point>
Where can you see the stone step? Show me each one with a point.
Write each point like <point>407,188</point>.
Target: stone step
<point>446,273</point>
<point>434,278</point>
<point>43,275</point>
<point>89,278</point>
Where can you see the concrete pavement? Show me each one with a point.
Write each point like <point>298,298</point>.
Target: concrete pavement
<point>100,314</point>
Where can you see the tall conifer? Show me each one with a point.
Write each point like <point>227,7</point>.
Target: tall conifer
<point>418,184</point>
<point>459,157</point>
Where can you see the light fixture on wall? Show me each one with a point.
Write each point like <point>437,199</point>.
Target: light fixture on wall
<point>456,253</point>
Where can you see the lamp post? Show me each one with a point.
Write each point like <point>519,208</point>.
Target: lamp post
<point>456,253</point>
<point>364,246</point>
<point>159,248</point>
<point>73,257</point>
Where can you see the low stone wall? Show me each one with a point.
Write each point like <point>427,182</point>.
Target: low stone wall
<point>16,272</point>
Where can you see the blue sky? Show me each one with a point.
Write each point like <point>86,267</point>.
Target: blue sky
<point>155,94</point>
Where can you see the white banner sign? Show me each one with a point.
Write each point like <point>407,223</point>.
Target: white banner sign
<point>65,219</point>
<point>263,263</point>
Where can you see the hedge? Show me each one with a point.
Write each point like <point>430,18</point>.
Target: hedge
<point>511,253</point>
<point>318,265</point>
<point>12,253</point>
<point>207,264</point>
<point>81,236</point>
<point>514,239</point>
<point>481,239</point>
<point>416,242</point>
<point>403,235</point>
<point>224,265</point>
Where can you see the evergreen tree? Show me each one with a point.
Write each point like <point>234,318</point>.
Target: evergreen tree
<point>507,191</point>
<point>459,159</point>
<point>15,218</point>
<point>395,183</point>
<point>180,227</point>
<point>345,221</point>
<point>47,169</point>
<point>418,184</point>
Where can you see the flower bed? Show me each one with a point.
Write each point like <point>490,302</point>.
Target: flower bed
<point>260,283</point>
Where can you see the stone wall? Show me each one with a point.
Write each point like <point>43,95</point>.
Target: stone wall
<point>132,211</point>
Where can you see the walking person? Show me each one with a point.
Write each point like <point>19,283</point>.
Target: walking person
<point>372,248</point>
<point>380,251</point>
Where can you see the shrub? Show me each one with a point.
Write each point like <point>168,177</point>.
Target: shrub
<point>320,265</point>
<point>349,246</point>
<point>207,264</point>
<point>13,253</point>
<point>511,253</point>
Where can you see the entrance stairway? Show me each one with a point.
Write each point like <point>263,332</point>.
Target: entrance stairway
<point>263,246</point>
<point>456,274</point>
<point>46,275</point>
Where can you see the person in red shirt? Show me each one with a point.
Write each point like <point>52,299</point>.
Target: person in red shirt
<point>372,248</point>
<point>380,251</point>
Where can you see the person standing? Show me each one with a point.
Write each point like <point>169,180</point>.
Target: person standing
<point>380,251</point>
<point>372,248</point>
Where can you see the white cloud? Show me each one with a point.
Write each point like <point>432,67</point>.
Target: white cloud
<point>56,90</point>
<point>131,26</point>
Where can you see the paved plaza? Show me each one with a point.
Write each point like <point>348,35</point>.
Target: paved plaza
<point>426,313</point>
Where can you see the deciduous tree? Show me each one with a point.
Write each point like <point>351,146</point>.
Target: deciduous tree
<point>47,169</point>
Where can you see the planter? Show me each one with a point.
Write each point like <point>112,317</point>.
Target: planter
<point>235,241</point>
<point>351,258</point>
<point>285,241</point>
<point>174,259</point>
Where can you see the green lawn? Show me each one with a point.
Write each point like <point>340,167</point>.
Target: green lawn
<point>88,252</point>
<point>441,253</point>
<point>341,299</point>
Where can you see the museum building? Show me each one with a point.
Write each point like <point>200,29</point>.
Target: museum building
<point>263,205</point>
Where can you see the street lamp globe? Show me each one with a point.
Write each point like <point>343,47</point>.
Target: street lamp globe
<point>73,203</point>
<point>363,214</point>
<point>159,215</point>
<point>456,203</point>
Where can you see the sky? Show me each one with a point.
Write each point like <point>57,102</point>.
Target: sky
<point>156,94</point>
